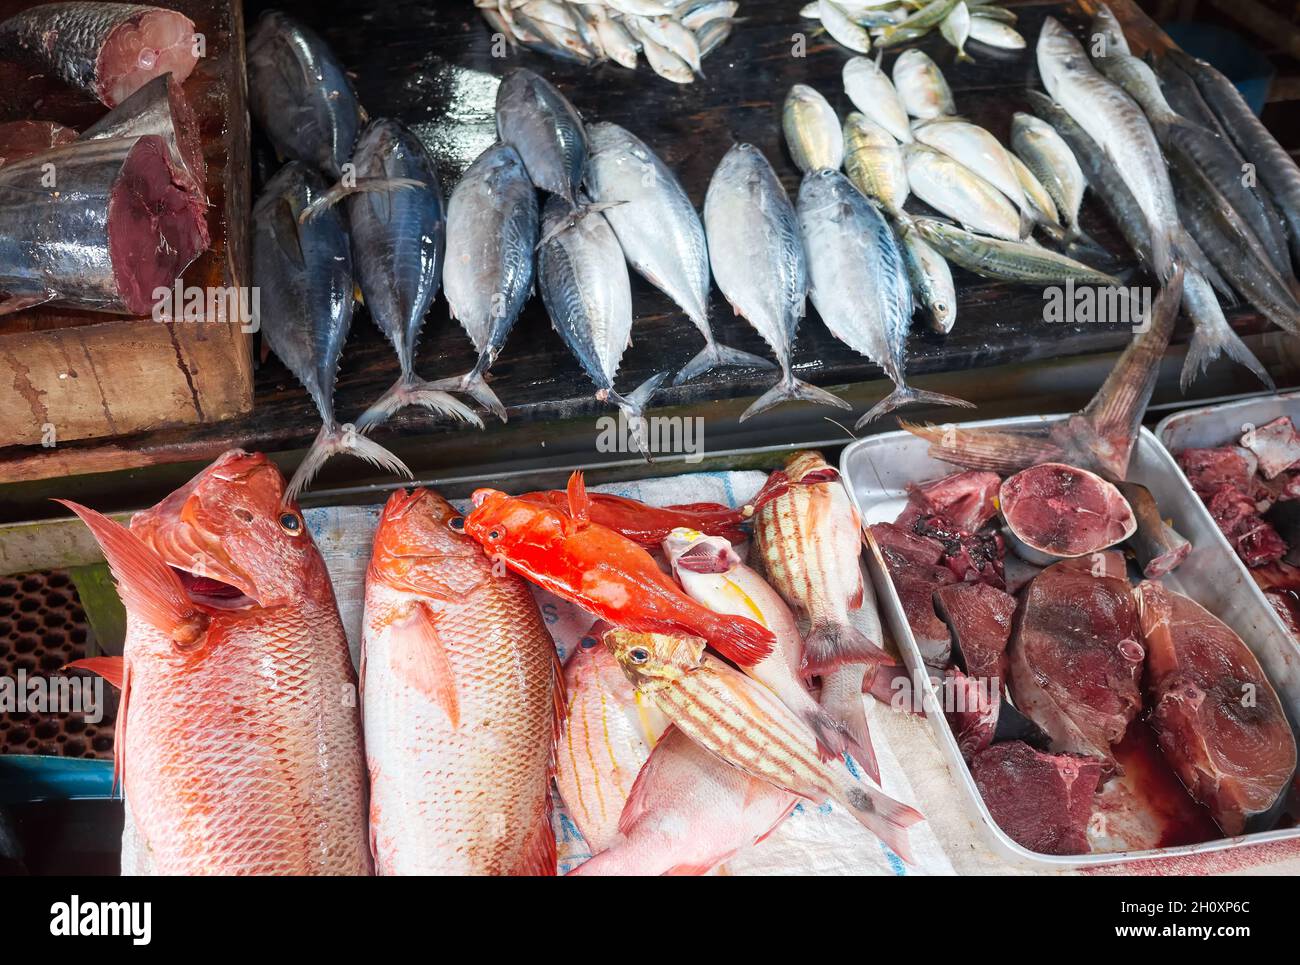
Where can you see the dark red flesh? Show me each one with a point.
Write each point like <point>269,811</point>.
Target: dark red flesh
<point>1064,511</point>
<point>1042,801</point>
<point>914,567</point>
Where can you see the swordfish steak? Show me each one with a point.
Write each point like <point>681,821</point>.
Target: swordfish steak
<point>1217,718</point>
<point>1075,660</point>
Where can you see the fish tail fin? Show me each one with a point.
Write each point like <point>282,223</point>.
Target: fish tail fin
<point>740,640</point>
<point>1208,344</point>
<point>884,817</point>
<point>906,395</point>
<point>577,211</point>
<point>1081,245</point>
<point>473,384</point>
<point>334,439</point>
<point>848,714</point>
<point>408,391</point>
<point>633,406</point>
<point>341,190</point>
<point>715,355</point>
<point>830,645</point>
<point>790,388</point>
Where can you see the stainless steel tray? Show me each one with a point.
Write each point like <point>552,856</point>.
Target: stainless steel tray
<point>877,471</point>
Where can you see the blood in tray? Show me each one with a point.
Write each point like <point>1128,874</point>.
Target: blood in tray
<point>1179,819</point>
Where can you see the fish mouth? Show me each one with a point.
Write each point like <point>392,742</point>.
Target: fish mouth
<point>212,594</point>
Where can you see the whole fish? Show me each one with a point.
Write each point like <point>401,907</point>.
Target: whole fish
<point>859,282</point>
<point>812,131</point>
<point>300,95</point>
<point>1037,196</point>
<point>758,262</point>
<point>921,86</point>
<point>712,573</point>
<point>609,731</point>
<point>873,93</point>
<point>1107,26</point>
<point>614,38</point>
<point>462,702</point>
<point>931,279</point>
<point>951,188</point>
<point>663,61</point>
<point>398,234</point>
<point>994,33</point>
<point>955,29</point>
<point>842,27</point>
<point>982,154</point>
<point>929,15</point>
<point>875,164</point>
<point>742,722</point>
<point>1012,261</point>
<point>603,572</point>
<point>108,50</point>
<point>538,121</point>
<point>713,34</point>
<point>492,229</point>
<point>588,296</point>
<point>238,737</point>
<point>304,272</point>
<point>1050,160</point>
<point>672,36</point>
<point>689,812</point>
<point>159,107</point>
<point>809,540</point>
<point>660,233</point>
<point>1113,120</point>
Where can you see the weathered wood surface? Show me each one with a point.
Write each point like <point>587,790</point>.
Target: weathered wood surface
<point>73,375</point>
<point>433,68</point>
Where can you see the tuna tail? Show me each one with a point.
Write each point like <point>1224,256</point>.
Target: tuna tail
<point>473,384</point>
<point>714,356</point>
<point>633,406</point>
<point>333,439</point>
<point>884,817</point>
<point>830,645</point>
<point>1212,337</point>
<point>577,211</point>
<point>408,390</point>
<point>341,190</point>
<point>906,395</point>
<point>791,388</point>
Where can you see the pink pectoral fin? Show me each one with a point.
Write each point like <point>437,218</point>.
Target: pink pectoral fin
<point>419,657</point>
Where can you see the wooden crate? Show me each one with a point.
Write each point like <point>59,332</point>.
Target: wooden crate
<point>68,375</point>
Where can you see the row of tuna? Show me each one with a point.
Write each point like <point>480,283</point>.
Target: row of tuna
<point>243,745</point>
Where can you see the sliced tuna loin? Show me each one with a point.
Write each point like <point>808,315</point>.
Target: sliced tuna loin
<point>971,707</point>
<point>913,564</point>
<point>1217,718</point>
<point>1042,801</point>
<point>1075,661</point>
<point>159,107</point>
<point>121,223</point>
<point>109,50</point>
<point>1055,510</point>
<point>967,499</point>
<point>1275,445</point>
<point>979,617</point>
<point>21,139</point>
<point>1209,470</point>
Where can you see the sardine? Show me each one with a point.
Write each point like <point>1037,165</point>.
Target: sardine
<point>759,264</point>
<point>812,130</point>
<point>1012,261</point>
<point>744,723</point>
<point>108,50</point>
<point>859,282</point>
<point>951,188</point>
<point>614,38</point>
<point>660,233</point>
<point>304,272</point>
<point>585,288</point>
<point>300,95</point>
<point>874,163</point>
<point>538,121</point>
<point>873,93</point>
<point>931,279</point>
<point>674,37</point>
<point>955,29</point>
<point>842,28</point>
<point>921,86</point>
<point>994,33</point>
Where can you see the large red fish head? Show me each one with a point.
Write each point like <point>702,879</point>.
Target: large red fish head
<point>421,546</point>
<point>506,526</point>
<point>230,537</point>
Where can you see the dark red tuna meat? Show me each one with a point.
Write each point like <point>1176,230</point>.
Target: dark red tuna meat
<point>1217,718</point>
<point>979,618</point>
<point>22,139</point>
<point>1063,511</point>
<point>159,107</point>
<point>971,707</point>
<point>1209,470</point>
<point>967,499</point>
<point>1042,801</point>
<point>914,568</point>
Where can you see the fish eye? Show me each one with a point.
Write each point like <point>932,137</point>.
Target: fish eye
<point>638,655</point>
<point>494,535</point>
<point>587,642</point>
<point>456,523</point>
<point>291,523</point>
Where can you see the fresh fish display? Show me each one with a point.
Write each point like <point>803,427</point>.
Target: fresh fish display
<point>874,163</point>
<point>304,272</point>
<point>300,95</point>
<point>1053,165</point>
<point>843,29</point>
<point>492,228</point>
<point>994,33</point>
<point>809,540</point>
<point>689,812</point>
<point>539,122</point>
<point>663,60</point>
<point>953,189</point>
<point>956,30</point>
<point>1012,261</point>
<point>931,279</point>
<point>742,722</point>
<point>711,573</point>
<point>1036,195</point>
<point>859,282</point>
<point>461,703</point>
<point>608,732</point>
<point>812,130</point>
<point>159,107</point>
<point>660,233</point>
<point>397,228</point>
<point>603,572</point>
<point>921,86</point>
<point>982,154</point>
<point>123,223</point>
<point>759,263</point>
<point>229,608</point>
<point>873,93</point>
<point>588,296</point>
<point>108,50</point>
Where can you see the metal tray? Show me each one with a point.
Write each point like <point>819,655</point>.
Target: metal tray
<point>877,471</point>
